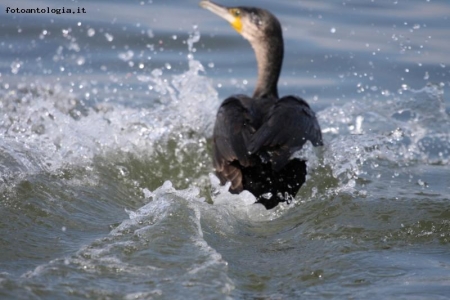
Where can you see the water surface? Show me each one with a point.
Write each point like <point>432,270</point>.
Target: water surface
<point>105,127</point>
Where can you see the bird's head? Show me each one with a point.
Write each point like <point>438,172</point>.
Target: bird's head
<point>252,23</point>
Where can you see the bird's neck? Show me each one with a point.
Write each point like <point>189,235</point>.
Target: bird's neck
<point>269,57</point>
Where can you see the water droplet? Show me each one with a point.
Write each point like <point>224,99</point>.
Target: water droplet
<point>91,32</point>
<point>43,34</point>
<point>267,195</point>
<point>157,72</point>
<point>126,56</point>
<point>109,37</point>
<point>333,30</point>
<point>386,93</point>
<point>66,32</point>
<point>15,66</point>
<point>81,60</point>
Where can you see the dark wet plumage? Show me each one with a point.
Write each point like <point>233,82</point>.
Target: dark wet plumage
<point>254,137</point>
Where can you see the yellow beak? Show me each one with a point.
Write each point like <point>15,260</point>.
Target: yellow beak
<point>223,12</point>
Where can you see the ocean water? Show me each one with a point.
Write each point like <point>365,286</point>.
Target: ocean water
<point>107,187</point>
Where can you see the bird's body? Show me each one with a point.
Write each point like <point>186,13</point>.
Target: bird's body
<point>255,137</point>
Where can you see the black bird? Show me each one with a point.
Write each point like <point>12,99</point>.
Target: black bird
<point>254,137</point>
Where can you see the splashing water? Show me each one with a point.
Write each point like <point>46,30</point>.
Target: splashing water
<point>105,198</point>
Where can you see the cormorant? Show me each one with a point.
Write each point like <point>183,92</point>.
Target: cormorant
<point>254,137</point>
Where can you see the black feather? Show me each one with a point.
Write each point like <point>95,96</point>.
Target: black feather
<point>254,140</point>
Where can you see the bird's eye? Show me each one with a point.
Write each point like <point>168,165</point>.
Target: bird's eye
<point>236,12</point>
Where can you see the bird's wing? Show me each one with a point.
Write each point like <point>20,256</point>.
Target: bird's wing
<point>232,132</point>
<point>286,128</point>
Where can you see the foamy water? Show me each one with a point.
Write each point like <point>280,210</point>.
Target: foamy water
<point>106,177</point>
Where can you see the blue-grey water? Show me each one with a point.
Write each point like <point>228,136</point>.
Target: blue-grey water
<point>105,156</point>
